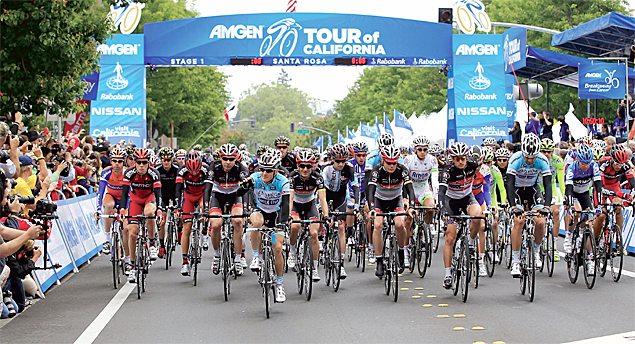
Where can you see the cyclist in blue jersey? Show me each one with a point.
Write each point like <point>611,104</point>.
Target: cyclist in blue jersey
<point>522,174</point>
<point>360,152</point>
<point>272,198</point>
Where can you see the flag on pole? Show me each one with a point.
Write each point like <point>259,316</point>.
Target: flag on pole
<point>230,112</point>
<point>340,138</point>
<point>402,122</point>
<point>368,131</point>
<point>387,127</point>
<point>320,142</point>
<point>349,133</point>
<point>314,142</point>
<point>291,5</point>
<point>330,140</point>
<point>377,126</point>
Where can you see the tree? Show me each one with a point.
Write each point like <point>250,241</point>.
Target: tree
<point>47,45</point>
<point>232,136</point>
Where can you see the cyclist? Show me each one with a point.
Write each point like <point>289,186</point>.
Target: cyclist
<point>456,197</point>
<point>499,176</point>
<point>288,158</point>
<point>424,174</point>
<point>336,177</point>
<point>190,184</point>
<point>181,154</point>
<point>557,172</point>
<point>305,184</point>
<point>221,186</point>
<point>272,199</point>
<point>143,184</point>
<point>110,186</point>
<point>360,153</point>
<point>490,142</point>
<point>481,191</point>
<point>167,171</point>
<point>385,187</point>
<point>129,157</point>
<point>580,174</point>
<point>524,169</point>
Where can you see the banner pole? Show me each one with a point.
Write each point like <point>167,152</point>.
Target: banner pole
<point>210,127</point>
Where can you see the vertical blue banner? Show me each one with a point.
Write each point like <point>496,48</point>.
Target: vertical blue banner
<point>119,112</point>
<point>451,137</point>
<point>598,80</point>
<point>515,49</point>
<point>512,110</point>
<point>479,88</point>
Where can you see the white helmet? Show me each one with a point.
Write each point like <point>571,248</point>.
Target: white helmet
<point>385,139</point>
<point>435,149</point>
<point>489,141</point>
<point>530,145</point>
<point>421,141</point>
<point>390,153</point>
<point>269,160</point>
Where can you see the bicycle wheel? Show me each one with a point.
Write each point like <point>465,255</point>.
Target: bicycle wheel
<point>465,268</point>
<point>490,251</point>
<point>307,268</point>
<point>474,257</point>
<point>362,244</point>
<point>224,268</point>
<point>616,246</point>
<point>427,239</point>
<point>550,252</point>
<point>508,243</point>
<point>327,259</point>
<point>168,244</point>
<point>114,258</point>
<point>300,273</point>
<point>349,247</point>
<point>139,267</point>
<point>572,258</point>
<point>266,283</point>
<point>531,268</point>
<point>588,239</point>
<point>387,257</point>
<point>500,240</point>
<point>413,251</point>
<point>394,267</point>
<point>146,266</point>
<point>422,253</point>
<point>603,252</point>
<point>285,252</point>
<point>455,268</point>
<point>336,260</point>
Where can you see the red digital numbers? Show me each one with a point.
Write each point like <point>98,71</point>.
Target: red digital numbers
<point>358,61</point>
<point>593,121</point>
<point>256,61</point>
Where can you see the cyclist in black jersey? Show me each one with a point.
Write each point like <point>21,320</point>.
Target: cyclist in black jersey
<point>456,197</point>
<point>305,184</point>
<point>167,172</point>
<point>288,158</point>
<point>385,188</point>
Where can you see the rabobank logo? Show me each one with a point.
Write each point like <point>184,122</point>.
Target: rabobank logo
<point>478,49</point>
<point>119,49</point>
<point>474,96</point>
<point>117,82</point>
<point>593,75</point>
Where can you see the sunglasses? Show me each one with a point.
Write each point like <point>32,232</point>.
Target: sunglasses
<point>167,160</point>
<point>117,161</point>
<point>268,170</point>
<point>141,162</point>
<point>391,163</point>
<point>228,159</point>
<point>459,158</point>
<point>282,147</point>
<point>502,160</point>
<point>422,149</point>
<point>180,159</point>
<point>307,167</point>
<point>340,161</point>
<point>361,155</point>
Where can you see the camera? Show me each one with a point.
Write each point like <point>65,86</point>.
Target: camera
<point>50,165</point>
<point>66,171</point>
<point>79,163</point>
<point>23,200</point>
<point>44,207</point>
<point>4,156</point>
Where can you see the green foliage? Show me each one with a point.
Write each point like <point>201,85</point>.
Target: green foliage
<point>232,136</point>
<point>274,106</point>
<point>164,10</point>
<point>46,46</point>
<point>557,15</point>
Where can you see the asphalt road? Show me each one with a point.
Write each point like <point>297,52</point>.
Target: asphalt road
<point>172,310</point>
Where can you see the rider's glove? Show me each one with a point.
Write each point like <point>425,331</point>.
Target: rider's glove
<point>628,197</point>
<point>517,211</point>
<point>327,219</point>
<point>544,211</point>
<point>568,200</point>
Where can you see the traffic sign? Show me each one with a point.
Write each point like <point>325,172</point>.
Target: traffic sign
<point>303,131</point>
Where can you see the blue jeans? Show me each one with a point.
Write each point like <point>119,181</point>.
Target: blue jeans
<point>14,284</point>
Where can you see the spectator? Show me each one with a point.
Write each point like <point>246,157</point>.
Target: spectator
<point>516,133</point>
<point>619,126</point>
<point>610,141</point>
<point>547,125</point>
<point>9,160</point>
<point>533,126</point>
<point>565,133</point>
<point>600,135</point>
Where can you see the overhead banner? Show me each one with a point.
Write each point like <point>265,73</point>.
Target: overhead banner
<point>479,88</point>
<point>515,49</point>
<point>598,80</point>
<point>119,113</point>
<point>297,39</point>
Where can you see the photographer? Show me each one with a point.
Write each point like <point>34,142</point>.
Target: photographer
<point>26,182</point>
<point>21,264</point>
<point>9,160</point>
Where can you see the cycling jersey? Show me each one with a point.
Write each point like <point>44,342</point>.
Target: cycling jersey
<point>168,181</point>
<point>289,162</point>
<point>611,177</point>
<point>226,182</point>
<point>526,175</point>
<point>305,190</point>
<point>498,190</point>
<point>581,180</point>
<point>268,197</point>
<point>193,184</point>
<point>482,191</point>
<point>111,184</point>
<point>424,175</point>
<point>359,172</point>
<point>336,181</point>
<point>388,186</point>
<point>141,187</point>
<point>458,181</point>
<point>570,157</point>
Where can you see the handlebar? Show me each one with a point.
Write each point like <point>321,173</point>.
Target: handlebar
<point>224,216</point>
<point>138,217</point>
<point>391,214</point>
<point>308,221</point>
<point>340,213</point>
<point>263,230</point>
<point>466,217</point>
<point>424,208</point>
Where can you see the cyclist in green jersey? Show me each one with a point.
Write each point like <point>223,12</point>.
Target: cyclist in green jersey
<point>499,179</point>
<point>557,170</point>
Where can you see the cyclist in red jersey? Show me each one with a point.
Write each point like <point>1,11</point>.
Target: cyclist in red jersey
<point>109,196</point>
<point>190,187</point>
<point>143,184</point>
<point>612,168</point>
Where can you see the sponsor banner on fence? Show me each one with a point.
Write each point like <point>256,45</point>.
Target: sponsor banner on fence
<point>479,88</point>
<point>297,39</point>
<point>598,80</point>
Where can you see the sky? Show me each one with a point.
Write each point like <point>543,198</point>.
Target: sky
<point>325,83</point>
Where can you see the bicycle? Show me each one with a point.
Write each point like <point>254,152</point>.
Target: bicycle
<point>304,266</point>
<point>421,247</point>
<point>582,233</point>
<point>170,234</point>
<point>547,249</point>
<point>390,253</point>
<point>505,225</point>
<point>438,229</point>
<point>142,261</point>
<point>195,251</point>
<point>332,250</point>
<point>460,265</point>
<point>611,247</point>
<point>489,259</point>
<point>227,266</point>
<point>357,241</point>
<point>528,257</point>
<point>267,274</point>
<point>116,249</point>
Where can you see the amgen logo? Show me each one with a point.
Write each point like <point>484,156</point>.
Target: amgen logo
<point>593,75</point>
<point>119,49</point>
<point>477,49</point>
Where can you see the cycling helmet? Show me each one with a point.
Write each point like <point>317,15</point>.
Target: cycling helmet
<point>476,151</point>
<point>404,150</point>
<point>587,140</point>
<point>282,140</point>
<point>385,139</point>
<point>193,155</point>
<point>197,147</point>
<point>390,153</point>
<point>458,149</point>
<point>228,149</point>
<point>618,153</point>
<point>242,147</point>
<point>262,150</point>
<point>489,141</point>
<point>269,160</point>
<point>155,160</point>
<point>130,151</point>
<point>598,153</point>
<point>435,149</point>
<point>600,144</point>
<point>351,151</point>
<point>166,153</point>
<point>117,153</point>
<point>421,141</point>
<point>141,153</point>
<point>245,153</point>
<point>488,154</point>
<point>359,147</point>
<point>585,154</point>
<point>193,165</point>
<point>208,151</point>
<point>503,152</point>
<point>305,156</point>
<point>547,145</point>
<point>239,156</point>
<point>339,152</point>
<point>315,152</point>
<point>530,145</point>
<point>216,155</point>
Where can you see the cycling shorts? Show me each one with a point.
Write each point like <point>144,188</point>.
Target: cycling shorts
<point>459,206</point>
<point>584,198</point>
<point>529,197</point>
<point>221,201</point>
<point>305,211</point>
<point>189,205</point>
<point>394,205</point>
<point>269,221</point>
<point>110,197</point>
<point>136,207</point>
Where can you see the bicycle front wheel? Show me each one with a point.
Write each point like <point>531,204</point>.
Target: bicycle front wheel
<point>224,268</point>
<point>508,243</point>
<point>115,258</point>
<point>336,260</point>
<point>266,283</point>
<point>550,252</point>
<point>139,267</point>
<point>307,269</point>
<point>465,268</point>
<point>616,255</point>
<point>590,262</point>
<point>421,252</point>
<point>531,268</point>
<point>490,251</point>
<point>394,267</point>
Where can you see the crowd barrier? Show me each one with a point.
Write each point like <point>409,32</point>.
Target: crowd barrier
<point>76,237</point>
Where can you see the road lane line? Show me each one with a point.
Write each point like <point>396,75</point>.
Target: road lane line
<point>626,337</point>
<point>624,272</point>
<point>94,329</point>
